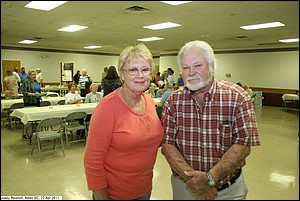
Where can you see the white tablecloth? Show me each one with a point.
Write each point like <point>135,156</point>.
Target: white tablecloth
<point>6,103</point>
<point>291,97</point>
<point>157,101</point>
<point>28,114</point>
<point>54,88</point>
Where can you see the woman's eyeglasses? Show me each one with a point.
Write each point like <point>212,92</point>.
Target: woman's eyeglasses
<point>135,71</point>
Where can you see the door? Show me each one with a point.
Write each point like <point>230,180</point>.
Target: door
<point>10,65</point>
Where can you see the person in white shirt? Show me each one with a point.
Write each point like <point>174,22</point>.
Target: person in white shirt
<point>170,77</point>
<point>73,97</point>
<point>39,76</point>
<point>15,74</point>
<point>93,96</point>
<point>83,79</point>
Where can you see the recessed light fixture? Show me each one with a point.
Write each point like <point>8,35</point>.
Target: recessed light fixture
<point>92,47</point>
<point>44,5</point>
<point>28,41</point>
<point>150,39</point>
<point>164,25</point>
<point>262,26</point>
<point>175,3</point>
<point>291,40</point>
<point>72,28</point>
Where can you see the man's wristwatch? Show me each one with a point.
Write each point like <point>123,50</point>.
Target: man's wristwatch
<point>211,181</point>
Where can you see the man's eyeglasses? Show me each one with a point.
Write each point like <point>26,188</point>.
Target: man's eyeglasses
<point>135,71</point>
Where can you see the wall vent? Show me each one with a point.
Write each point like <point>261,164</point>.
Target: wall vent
<point>136,10</point>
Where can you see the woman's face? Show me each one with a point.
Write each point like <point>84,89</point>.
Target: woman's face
<point>73,89</point>
<point>94,88</point>
<point>136,75</point>
<point>32,75</point>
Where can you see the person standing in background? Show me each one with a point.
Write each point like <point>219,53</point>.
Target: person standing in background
<point>164,76</point>
<point>76,77</point>
<point>39,76</point>
<point>111,82</point>
<point>170,78</point>
<point>10,85</point>
<point>84,78</point>
<point>23,75</point>
<point>180,80</point>
<point>210,126</point>
<point>124,134</point>
<point>31,90</point>
<point>17,77</point>
<point>104,72</point>
<point>157,78</point>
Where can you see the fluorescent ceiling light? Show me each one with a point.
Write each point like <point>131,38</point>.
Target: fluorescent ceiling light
<point>150,39</point>
<point>92,47</point>
<point>165,25</point>
<point>28,41</point>
<point>72,28</point>
<point>263,26</point>
<point>175,3</point>
<point>291,40</point>
<point>44,5</point>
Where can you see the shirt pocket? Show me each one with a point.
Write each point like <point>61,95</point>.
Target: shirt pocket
<point>225,133</point>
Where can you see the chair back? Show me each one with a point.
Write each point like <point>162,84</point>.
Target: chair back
<point>17,106</point>
<point>76,116</point>
<point>61,102</point>
<point>48,129</point>
<point>50,122</point>
<point>45,103</point>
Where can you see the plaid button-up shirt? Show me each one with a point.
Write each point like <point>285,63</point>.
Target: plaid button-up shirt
<point>204,133</point>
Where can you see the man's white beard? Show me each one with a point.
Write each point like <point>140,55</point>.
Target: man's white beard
<point>201,84</point>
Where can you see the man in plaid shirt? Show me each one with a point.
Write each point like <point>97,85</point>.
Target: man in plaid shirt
<point>209,127</point>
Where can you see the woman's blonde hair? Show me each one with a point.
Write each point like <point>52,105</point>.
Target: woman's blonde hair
<point>31,71</point>
<point>139,51</point>
<point>94,84</point>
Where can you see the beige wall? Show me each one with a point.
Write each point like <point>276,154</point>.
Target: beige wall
<point>266,69</point>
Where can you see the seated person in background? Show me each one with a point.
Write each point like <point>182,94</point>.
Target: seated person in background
<point>93,96</point>
<point>151,90</point>
<point>160,91</point>
<point>168,91</point>
<point>73,97</point>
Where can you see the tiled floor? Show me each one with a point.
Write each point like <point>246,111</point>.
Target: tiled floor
<point>272,170</point>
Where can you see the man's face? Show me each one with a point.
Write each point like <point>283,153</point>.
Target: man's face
<point>195,70</point>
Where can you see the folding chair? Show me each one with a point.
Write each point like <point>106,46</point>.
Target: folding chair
<point>43,134</point>
<point>14,121</point>
<point>75,121</point>
<point>45,103</point>
<point>61,102</point>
